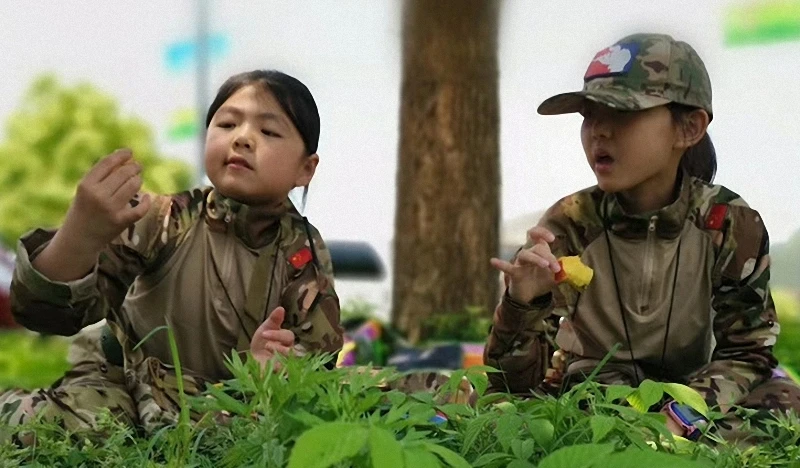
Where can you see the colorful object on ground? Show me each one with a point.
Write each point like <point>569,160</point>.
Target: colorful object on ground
<point>364,346</point>
<point>574,272</point>
<point>372,343</point>
<point>762,22</point>
<point>180,55</point>
<point>183,125</point>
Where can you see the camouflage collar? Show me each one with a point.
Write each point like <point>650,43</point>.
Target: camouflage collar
<point>668,221</point>
<point>255,225</point>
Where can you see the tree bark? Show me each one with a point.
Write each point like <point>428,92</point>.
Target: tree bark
<point>448,208</point>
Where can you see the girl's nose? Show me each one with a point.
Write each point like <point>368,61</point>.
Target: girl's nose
<point>601,127</point>
<point>243,141</point>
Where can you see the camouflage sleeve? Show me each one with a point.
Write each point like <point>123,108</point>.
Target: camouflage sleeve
<point>516,345</point>
<point>745,322</point>
<point>65,308</point>
<point>521,340</point>
<point>312,307</point>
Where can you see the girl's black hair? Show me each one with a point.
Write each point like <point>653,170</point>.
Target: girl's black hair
<point>293,96</point>
<point>700,160</point>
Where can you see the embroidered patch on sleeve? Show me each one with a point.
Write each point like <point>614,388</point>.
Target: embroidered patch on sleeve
<point>301,258</point>
<point>716,216</point>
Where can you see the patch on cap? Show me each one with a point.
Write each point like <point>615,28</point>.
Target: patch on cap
<point>611,61</point>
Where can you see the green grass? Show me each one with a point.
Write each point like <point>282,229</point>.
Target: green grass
<point>306,416</point>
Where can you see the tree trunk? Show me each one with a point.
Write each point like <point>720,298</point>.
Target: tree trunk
<point>448,207</point>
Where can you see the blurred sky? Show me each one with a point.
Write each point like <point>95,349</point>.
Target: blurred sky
<point>348,53</point>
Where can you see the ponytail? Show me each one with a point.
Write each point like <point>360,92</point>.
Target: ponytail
<point>700,160</point>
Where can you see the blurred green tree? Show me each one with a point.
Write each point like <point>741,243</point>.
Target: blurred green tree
<point>55,136</point>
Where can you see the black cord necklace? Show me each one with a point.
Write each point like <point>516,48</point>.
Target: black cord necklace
<point>619,299</point>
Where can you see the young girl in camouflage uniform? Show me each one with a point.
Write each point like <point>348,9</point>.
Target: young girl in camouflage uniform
<point>232,267</point>
<point>681,266</point>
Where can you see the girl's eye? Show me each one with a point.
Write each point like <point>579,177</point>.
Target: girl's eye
<point>225,125</point>
<point>270,133</point>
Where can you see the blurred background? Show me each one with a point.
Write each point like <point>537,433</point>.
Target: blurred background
<point>145,72</point>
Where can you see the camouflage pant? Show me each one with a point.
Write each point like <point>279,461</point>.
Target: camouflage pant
<point>777,395</point>
<point>77,399</point>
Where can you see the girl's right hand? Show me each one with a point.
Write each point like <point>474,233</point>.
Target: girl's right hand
<point>102,206</point>
<point>533,272</point>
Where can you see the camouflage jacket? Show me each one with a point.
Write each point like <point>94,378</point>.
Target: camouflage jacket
<point>691,280</point>
<point>207,266</point>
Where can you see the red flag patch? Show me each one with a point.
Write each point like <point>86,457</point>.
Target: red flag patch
<point>301,258</point>
<point>614,60</point>
<point>716,216</point>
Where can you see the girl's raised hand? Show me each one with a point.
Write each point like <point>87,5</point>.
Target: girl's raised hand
<point>103,207</point>
<point>270,339</point>
<point>532,274</point>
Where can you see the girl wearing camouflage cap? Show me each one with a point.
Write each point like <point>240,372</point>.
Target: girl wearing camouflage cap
<point>681,266</point>
<point>229,267</point>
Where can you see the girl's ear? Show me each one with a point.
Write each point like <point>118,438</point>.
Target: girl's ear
<point>693,128</point>
<point>307,170</point>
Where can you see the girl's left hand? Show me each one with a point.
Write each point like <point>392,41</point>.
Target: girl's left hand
<point>270,339</point>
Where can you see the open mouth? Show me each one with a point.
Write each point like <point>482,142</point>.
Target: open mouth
<point>602,160</point>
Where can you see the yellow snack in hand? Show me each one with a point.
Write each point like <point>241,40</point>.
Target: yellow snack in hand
<point>574,272</point>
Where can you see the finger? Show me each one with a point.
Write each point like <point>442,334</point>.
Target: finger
<point>119,177</point>
<point>543,251</point>
<point>284,337</point>
<point>532,258</point>
<point>503,266</point>
<point>538,234</point>
<point>275,319</point>
<point>278,348</point>
<point>106,166</point>
<point>122,197</point>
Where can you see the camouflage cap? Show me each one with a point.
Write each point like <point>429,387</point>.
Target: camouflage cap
<point>639,72</point>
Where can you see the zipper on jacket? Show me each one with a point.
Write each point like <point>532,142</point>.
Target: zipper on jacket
<point>649,264</point>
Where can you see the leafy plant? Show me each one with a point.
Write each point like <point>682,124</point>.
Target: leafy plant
<point>299,413</point>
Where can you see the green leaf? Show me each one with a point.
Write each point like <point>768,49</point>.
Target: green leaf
<point>479,381</point>
<point>636,402</point>
<point>650,392</point>
<point>577,456</point>
<point>489,399</point>
<point>601,426</point>
<point>483,369</point>
<point>304,417</point>
<point>636,458</point>
<point>328,444</point>
<point>688,396</point>
<point>542,431</point>
<point>419,458</point>
<point>227,402</point>
<point>520,464</point>
<point>617,392</point>
<point>450,457</point>
<point>489,458</point>
<point>507,429</point>
<point>473,430</point>
<point>384,449</point>
<point>455,409</point>
<point>522,449</point>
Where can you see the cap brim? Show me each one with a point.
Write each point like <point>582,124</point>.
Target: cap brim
<point>568,103</point>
